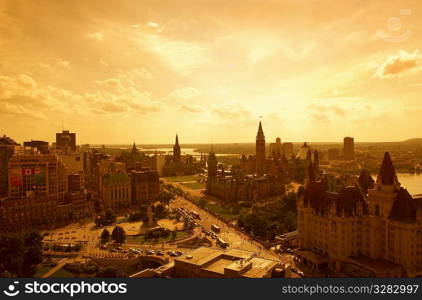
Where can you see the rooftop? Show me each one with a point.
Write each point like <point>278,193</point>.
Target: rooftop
<point>230,263</point>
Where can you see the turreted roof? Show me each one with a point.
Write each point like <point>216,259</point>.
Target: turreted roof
<point>404,208</point>
<point>365,180</point>
<point>387,172</point>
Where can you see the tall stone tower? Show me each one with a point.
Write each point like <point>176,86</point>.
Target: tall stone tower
<point>316,163</point>
<point>260,151</point>
<point>176,150</point>
<point>212,170</point>
<point>212,165</point>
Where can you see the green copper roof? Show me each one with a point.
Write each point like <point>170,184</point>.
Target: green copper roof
<point>115,178</point>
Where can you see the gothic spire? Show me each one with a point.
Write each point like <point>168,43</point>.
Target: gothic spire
<point>260,133</point>
<point>134,148</point>
<point>387,173</point>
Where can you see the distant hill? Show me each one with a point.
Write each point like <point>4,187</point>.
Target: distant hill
<point>414,141</point>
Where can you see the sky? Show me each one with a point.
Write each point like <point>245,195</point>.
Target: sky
<point>120,71</point>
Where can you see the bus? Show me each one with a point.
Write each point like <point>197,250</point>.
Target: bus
<point>222,243</point>
<point>195,214</point>
<point>215,228</point>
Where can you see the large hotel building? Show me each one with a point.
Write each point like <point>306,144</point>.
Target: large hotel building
<point>363,230</point>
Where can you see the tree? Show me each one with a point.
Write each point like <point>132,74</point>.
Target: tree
<point>19,253</point>
<point>165,197</point>
<point>202,202</point>
<point>118,234</point>
<point>105,236</point>
<point>109,217</point>
<point>111,272</point>
<point>160,211</point>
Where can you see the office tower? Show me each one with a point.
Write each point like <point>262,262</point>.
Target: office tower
<point>7,146</point>
<point>349,148</point>
<point>66,141</point>
<point>40,145</point>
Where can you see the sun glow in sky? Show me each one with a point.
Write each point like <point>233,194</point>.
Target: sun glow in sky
<point>122,71</point>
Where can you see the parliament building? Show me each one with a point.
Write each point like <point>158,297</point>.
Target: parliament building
<point>257,177</point>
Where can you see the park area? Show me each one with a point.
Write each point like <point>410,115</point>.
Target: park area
<point>190,181</point>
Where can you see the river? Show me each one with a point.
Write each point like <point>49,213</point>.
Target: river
<point>411,182</point>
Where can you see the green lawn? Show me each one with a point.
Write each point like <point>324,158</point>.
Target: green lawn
<point>62,273</point>
<point>222,212</point>
<point>183,178</point>
<point>195,185</point>
<point>139,239</point>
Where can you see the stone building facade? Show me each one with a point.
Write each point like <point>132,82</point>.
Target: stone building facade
<point>367,230</point>
<point>257,177</point>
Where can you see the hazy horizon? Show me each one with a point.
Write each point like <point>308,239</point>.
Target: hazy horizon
<point>122,71</point>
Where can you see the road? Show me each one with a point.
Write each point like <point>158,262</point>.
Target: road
<point>231,235</point>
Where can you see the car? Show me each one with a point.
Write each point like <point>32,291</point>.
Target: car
<point>139,250</point>
<point>300,273</point>
<point>113,250</point>
<point>293,270</point>
<point>159,252</point>
<point>125,251</point>
<point>103,247</point>
<point>119,248</point>
<point>179,253</point>
<point>150,252</point>
<point>172,253</point>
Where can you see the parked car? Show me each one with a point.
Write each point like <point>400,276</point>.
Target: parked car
<point>172,253</point>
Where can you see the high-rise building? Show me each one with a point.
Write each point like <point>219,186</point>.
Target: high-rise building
<point>40,145</point>
<point>7,146</point>
<point>276,149</point>
<point>260,151</point>
<point>36,173</point>
<point>66,141</point>
<point>349,148</point>
<point>288,150</point>
<point>74,183</point>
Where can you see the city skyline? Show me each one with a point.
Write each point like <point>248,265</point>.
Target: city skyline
<point>119,72</point>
